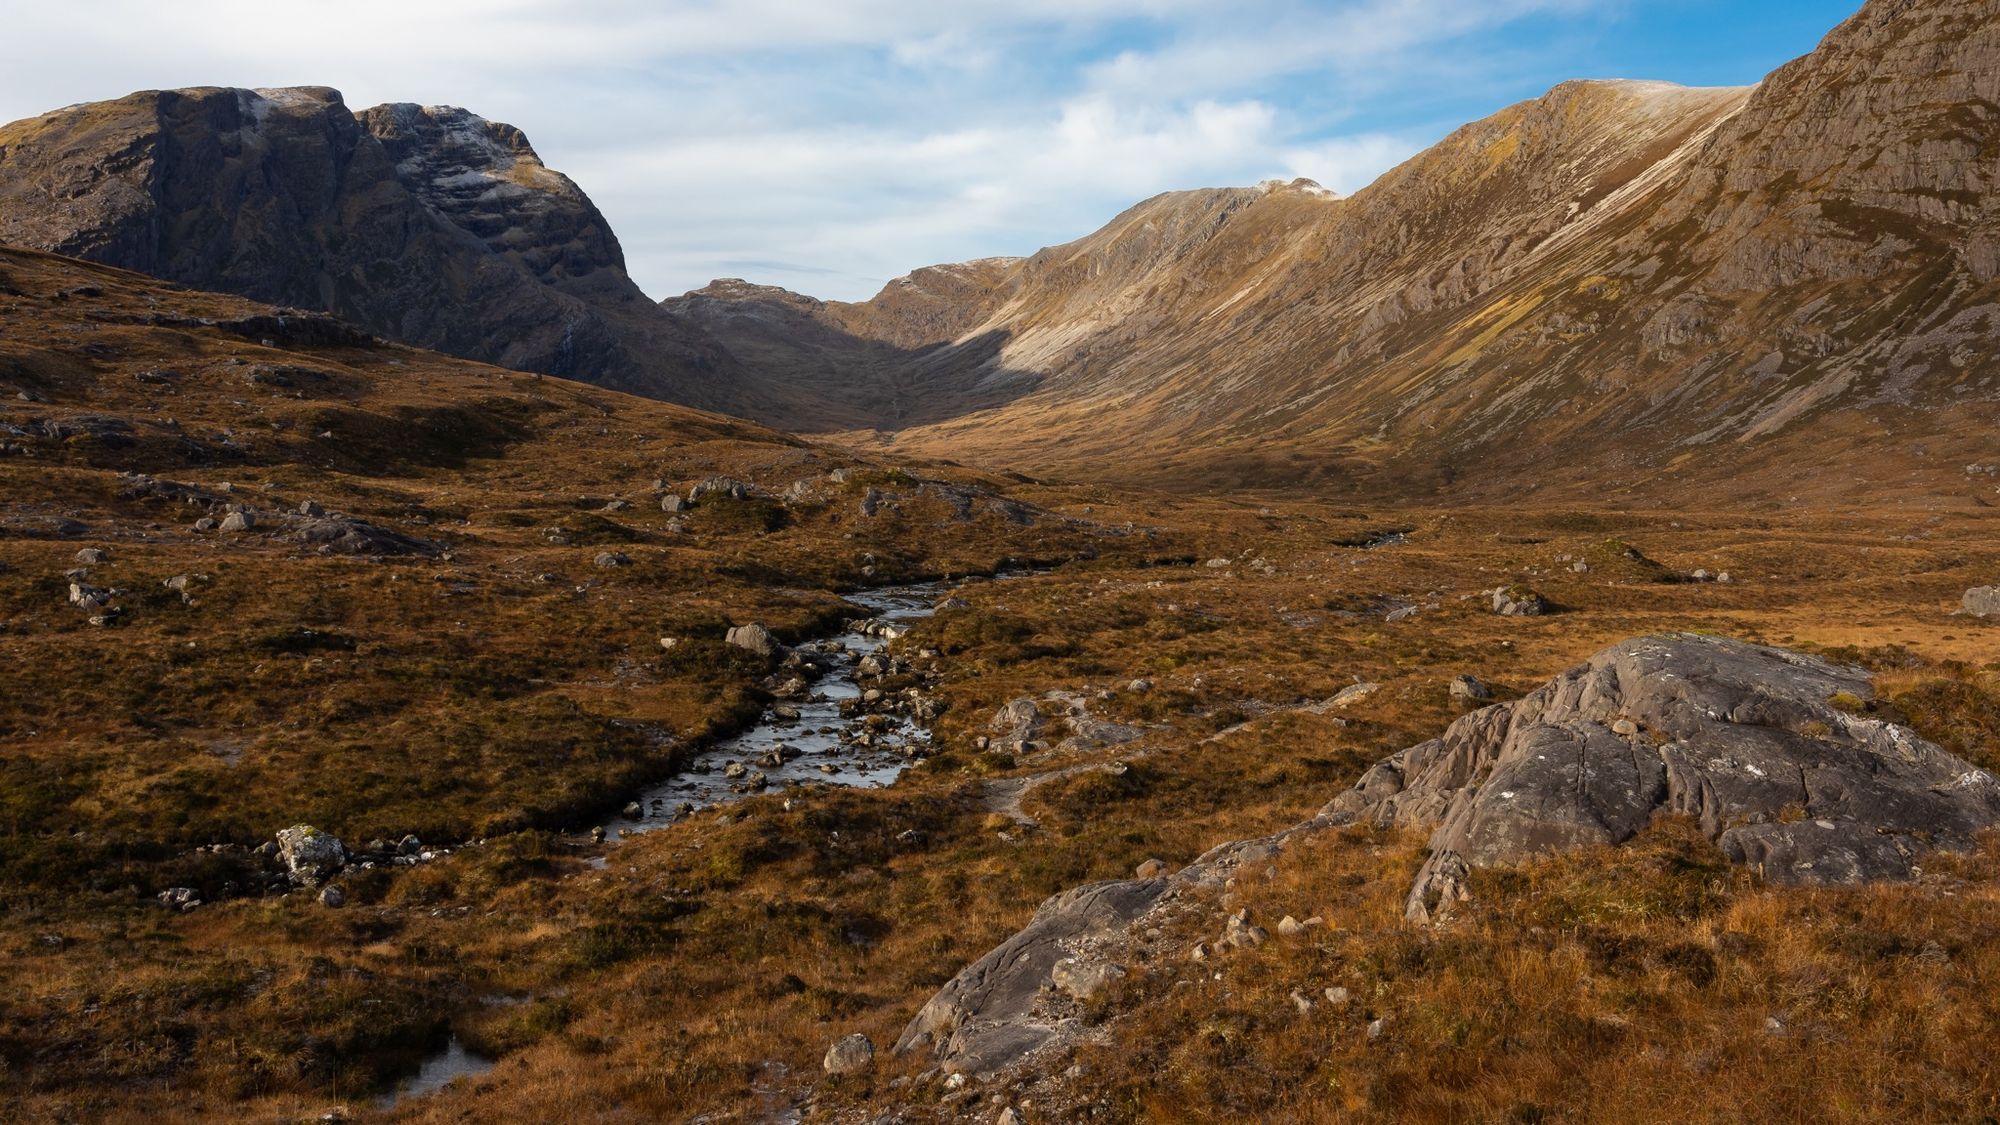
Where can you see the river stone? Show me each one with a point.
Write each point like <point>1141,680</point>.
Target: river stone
<point>1736,735</point>
<point>754,637</point>
<point>1983,601</point>
<point>310,855</point>
<point>850,1054</point>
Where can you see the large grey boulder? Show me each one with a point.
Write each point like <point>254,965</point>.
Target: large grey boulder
<point>993,1013</point>
<point>1981,601</point>
<point>1763,746</point>
<point>310,856</point>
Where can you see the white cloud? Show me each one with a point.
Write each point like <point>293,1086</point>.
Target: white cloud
<point>823,144</point>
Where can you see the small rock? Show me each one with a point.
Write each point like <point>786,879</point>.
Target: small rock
<point>755,638</point>
<point>1982,601</point>
<point>1151,869</point>
<point>1302,1002</point>
<point>1376,1029</point>
<point>92,556</point>
<point>611,560</point>
<point>1139,687</point>
<point>332,897</point>
<point>1349,696</point>
<point>851,1054</point>
<point>1519,601</point>
<point>1468,689</point>
<point>1625,728</point>
<point>180,898</point>
<point>1084,979</point>
<point>238,521</point>
<point>1336,996</point>
<point>311,509</point>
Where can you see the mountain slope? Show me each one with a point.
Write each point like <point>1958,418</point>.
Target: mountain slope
<point>427,225</point>
<point>1618,281</point>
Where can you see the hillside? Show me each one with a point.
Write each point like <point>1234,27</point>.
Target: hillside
<point>1619,284</point>
<point>423,224</point>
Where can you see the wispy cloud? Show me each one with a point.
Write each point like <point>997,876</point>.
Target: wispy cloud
<point>831,144</point>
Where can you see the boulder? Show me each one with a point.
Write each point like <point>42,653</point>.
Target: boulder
<point>1519,601</point>
<point>673,503</point>
<point>1983,601</point>
<point>1467,690</point>
<point>718,488</point>
<point>611,560</point>
<point>180,898</point>
<point>309,855</point>
<point>343,535</point>
<point>91,556</point>
<point>1353,694</point>
<point>1081,978</point>
<point>990,1015</point>
<point>1019,720</point>
<point>1740,736</point>
<point>238,521</point>
<point>850,1054</point>
<point>755,638</point>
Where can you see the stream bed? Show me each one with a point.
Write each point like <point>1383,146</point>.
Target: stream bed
<point>822,745</point>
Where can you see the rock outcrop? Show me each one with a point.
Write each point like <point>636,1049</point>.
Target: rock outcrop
<point>1768,749</point>
<point>990,1015</point>
<point>1772,751</point>
<point>424,224</point>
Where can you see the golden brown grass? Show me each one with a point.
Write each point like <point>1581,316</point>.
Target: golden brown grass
<point>705,969</point>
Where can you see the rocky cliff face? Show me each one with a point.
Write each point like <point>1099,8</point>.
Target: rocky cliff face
<point>427,225</point>
<point>1618,281</point>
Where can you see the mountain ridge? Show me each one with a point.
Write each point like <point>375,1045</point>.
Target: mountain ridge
<point>1616,280</point>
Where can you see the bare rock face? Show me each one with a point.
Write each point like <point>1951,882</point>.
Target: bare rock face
<point>990,1015</point>
<point>1752,741</point>
<point>1771,750</point>
<point>427,225</point>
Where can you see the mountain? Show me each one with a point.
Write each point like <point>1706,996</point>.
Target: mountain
<point>427,225</point>
<point>1618,284</point>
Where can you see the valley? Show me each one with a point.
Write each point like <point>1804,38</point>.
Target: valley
<point>1518,643</point>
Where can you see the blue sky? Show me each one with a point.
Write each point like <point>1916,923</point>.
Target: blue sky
<point>829,145</point>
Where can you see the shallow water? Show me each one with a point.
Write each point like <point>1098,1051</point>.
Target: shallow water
<point>815,733</point>
<point>438,1071</point>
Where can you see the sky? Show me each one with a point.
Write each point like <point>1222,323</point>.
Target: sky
<point>830,145</point>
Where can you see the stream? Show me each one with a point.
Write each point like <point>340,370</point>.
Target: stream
<point>784,750</point>
<point>821,745</point>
